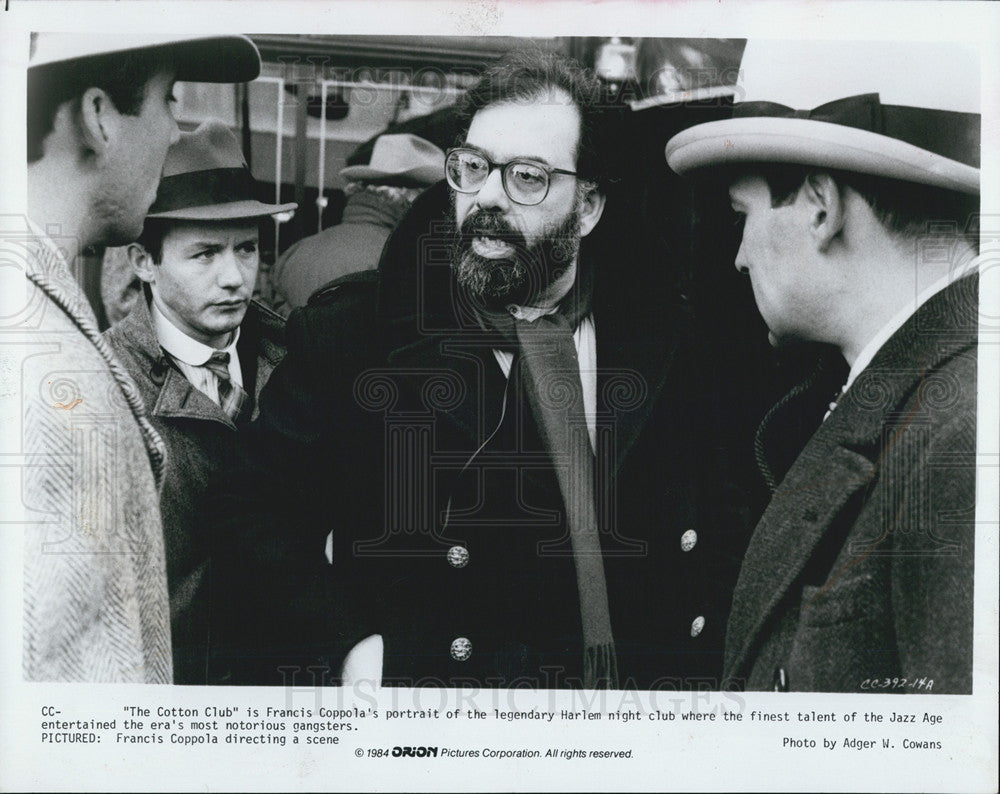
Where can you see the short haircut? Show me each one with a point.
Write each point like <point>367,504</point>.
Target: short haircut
<point>124,77</point>
<point>904,209</point>
<point>524,76</point>
<point>151,239</point>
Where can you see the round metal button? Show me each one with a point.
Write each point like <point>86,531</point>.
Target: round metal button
<point>697,625</point>
<point>461,649</point>
<point>458,556</point>
<point>688,539</point>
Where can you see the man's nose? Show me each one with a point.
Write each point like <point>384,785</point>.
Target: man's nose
<point>230,273</point>
<point>741,263</point>
<point>492,195</point>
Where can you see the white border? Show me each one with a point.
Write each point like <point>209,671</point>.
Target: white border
<point>716,757</point>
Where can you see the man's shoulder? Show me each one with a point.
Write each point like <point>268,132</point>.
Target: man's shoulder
<point>339,317</point>
<point>133,338</point>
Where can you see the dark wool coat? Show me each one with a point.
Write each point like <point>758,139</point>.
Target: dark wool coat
<point>859,575</point>
<point>201,440</point>
<point>386,393</point>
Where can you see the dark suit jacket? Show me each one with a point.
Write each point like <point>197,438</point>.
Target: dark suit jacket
<point>388,390</point>
<point>861,569</point>
<point>201,440</point>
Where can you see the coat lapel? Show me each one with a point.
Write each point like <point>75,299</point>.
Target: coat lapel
<point>636,349</point>
<point>824,478</point>
<point>431,370</point>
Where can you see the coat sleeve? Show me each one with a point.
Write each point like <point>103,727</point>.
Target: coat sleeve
<point>282,608</point>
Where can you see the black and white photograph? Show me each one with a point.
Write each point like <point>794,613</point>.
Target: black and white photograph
<point>481,400</point>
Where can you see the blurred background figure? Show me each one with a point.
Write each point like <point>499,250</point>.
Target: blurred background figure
<point>378,196</point>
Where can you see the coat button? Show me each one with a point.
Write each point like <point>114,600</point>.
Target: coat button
<point>458,556</point>
<point>688,539</point>
<point>461,649</point>
<point>697,625</point>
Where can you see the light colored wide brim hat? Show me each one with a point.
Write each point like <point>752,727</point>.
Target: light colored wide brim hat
<point>206,178</point>
<point>403,159</point>
<point>204,59</point>
<point>900,110</point>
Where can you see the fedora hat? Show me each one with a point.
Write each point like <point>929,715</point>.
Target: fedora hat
<point>403,159</point>
<point>205,178</point>
<point>204,59</point>
<point>900,110</point>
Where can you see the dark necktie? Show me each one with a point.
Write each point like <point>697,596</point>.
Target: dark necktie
<point>232,398</point>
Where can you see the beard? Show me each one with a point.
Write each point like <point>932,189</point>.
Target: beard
<point>525,272</point>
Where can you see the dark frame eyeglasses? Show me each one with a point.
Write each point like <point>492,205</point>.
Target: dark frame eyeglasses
<point>525,182</point>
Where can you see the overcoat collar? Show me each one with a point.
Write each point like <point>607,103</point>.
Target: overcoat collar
<point>177,398</point>
<point>841,459</point>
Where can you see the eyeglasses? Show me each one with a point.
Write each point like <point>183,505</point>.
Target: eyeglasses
<point>524,181</point>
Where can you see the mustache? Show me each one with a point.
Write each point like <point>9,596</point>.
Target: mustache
<point>489,224</point>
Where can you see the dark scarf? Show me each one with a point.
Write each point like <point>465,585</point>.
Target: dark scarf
<point>550,371</point>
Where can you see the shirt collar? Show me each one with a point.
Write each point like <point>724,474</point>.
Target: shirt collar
<point>549,300</point>
<point>181,346</point>
<point>896,322</point>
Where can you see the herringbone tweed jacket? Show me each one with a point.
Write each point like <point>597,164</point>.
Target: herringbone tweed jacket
<point>95,586</point>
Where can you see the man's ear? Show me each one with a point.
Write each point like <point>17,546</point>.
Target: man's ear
<point>825,206</point>
<point>99,121</point>
<point>591,208</point>
<point>141,262</point>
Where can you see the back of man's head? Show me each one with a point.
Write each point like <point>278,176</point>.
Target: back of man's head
<point>905,210</point>
<point>527,77</point>
<point>122,76</point>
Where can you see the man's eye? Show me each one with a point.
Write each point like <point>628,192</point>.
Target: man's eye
<point>248,248</point>
<point>204,256</point>
<point>739,219</point>
<point>529,177</point>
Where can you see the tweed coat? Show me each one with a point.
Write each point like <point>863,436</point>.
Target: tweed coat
<point>387,393</point>
<point>859,576</point>
<point>201,440</point>
<point>95,587</point>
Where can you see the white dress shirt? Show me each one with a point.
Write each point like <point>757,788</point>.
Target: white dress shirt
<point>191,355</point>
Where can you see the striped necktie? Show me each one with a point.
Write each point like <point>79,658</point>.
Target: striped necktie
<point>232,398</point>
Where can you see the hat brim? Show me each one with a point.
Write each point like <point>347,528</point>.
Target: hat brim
<point>422,175</point>
<point>817,143</point>
<point>224,212</point>
<point>200,59</point>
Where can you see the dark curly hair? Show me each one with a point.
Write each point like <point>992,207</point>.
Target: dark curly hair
<point>524,76</point>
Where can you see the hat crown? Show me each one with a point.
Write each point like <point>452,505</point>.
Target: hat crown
<point>400,155</point>
<point>806,74</point>
<point>212,145</point>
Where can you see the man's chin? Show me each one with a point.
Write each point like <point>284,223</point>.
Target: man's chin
<point>494,282</point>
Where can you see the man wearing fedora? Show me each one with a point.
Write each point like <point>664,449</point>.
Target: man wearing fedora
<point>199,350</point>
<point>378,196</point>
<point>99,122</point>
<point>859,575</point>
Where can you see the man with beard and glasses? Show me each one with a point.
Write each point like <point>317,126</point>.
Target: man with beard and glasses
<point>495,455</point>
